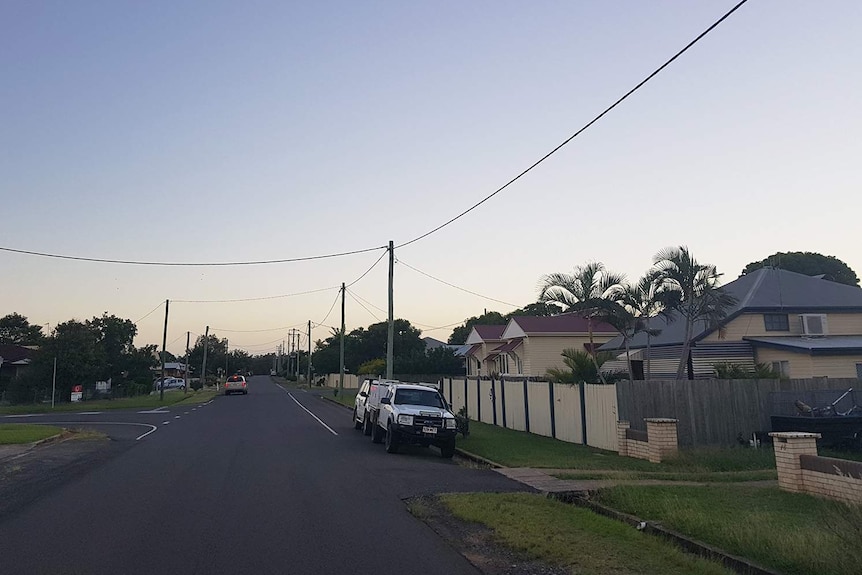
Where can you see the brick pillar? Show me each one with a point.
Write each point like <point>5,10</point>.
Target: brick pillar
<point>661,438</point>
<point>788,446</point>
<point>622,442</point>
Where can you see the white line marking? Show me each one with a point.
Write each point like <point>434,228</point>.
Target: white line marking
<point>28,415</point>
<point>177,416</point>
<point>89,412</point>
<point>185,413</point>
<point>165,422</point>
<point>290,395</point>
<point>156,410</point>
<point>103,423</point>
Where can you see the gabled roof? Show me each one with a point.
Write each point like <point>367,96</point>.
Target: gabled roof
<point>12,353</point>
<point>510,345</point>
<point>473,349</point>
<point>562,324</point>
<point>767,290</point>
<point>481,333</point>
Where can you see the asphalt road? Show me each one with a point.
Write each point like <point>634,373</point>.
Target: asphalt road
<point>246,484</point>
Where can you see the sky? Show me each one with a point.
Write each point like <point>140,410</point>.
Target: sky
<point>213,131</point>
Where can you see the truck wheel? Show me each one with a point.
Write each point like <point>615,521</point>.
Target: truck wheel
<point>447,450</point>
<point>356,423</point>
<point>391,440</point>
<point>377,433</point>
<point>366,425</point>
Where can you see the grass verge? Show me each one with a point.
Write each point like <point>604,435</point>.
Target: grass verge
<point>140,402</point>
<point>16,433</point>
<point>520,449</point>
<point>792,533</point>
<point>573,537</point>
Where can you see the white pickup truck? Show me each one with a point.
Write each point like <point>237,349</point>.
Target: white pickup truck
<point>414,414</point>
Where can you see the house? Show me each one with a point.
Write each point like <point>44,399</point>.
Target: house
<point>802,326</point>
<point>482,340</point>
<point>172,369</point>
<point>14,359</point>
<point>530,345</point>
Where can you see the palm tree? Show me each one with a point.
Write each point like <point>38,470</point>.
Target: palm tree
<point>692,289</point>
<point>642,301</point>
<point>582,367</point>
<point>577,291</point>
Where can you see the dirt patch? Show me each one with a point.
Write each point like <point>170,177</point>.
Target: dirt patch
<point>477,542</point>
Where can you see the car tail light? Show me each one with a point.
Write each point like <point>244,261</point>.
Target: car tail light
<point>244,384</point>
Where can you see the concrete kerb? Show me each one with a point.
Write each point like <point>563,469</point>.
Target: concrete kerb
<point>22,448</point>
<point>738,564</point>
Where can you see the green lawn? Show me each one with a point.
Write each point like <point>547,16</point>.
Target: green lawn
<point>140,402</point>
<point>575,538</point>
<point>520,449</point>
<point>792,533</point>
<point>14,433</point>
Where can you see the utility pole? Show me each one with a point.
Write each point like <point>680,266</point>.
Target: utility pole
<point>390,337</point>
<point>164,345</point>
<point>298,342</point>
<point>308,366</point>
<point>341,352</point>
<point>53,383</point>
<point>226,345</point>
<point>204,366</point>
<point>188,335</point>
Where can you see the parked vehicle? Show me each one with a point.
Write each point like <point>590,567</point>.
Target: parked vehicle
<point>236,384</point>
<point>415,414</point>
<point>359,404</point>
<point>838,421</point>
<point>169,383</point>
<point>377,390</point>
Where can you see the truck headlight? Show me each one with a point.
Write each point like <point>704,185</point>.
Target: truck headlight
<point>405,420</point>
<point>450,424</point>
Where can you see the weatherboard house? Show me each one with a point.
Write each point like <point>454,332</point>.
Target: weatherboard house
<point>528,346</point>
<point>801,326</point>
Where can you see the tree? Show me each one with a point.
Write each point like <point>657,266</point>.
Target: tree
<point>460,333</point>
<point>16,329</point>
<point>692,289</point>
<point>810,264</point>
<point>579,291</point>
<point>114,337</point>
<point>583,367</point>
<point>640,302</point>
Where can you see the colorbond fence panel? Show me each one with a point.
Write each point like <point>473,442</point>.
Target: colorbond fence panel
<point>539,408</point>
<point>567,402</point>
<point>601,408</point>
<point>472,398</point>
<point>515,415</point>
<point>487,406</point>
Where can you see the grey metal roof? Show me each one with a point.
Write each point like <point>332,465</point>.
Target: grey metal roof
<point>764,290</point>
<point>850,344</point>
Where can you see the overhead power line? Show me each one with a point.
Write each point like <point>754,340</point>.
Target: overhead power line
<point>253,298</point>
<point>369,269</point>
<point>190,264</point>
<point>579,132</point>
<point>374,315</point>
<point>151,312</point>
<point>258,330</point>
<point>454,286</point>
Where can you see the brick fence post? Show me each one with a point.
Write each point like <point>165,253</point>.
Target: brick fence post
<point>789,445</point>
<point>661,438</point>
<point>622,442</point>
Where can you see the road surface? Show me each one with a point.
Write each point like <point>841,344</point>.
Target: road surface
<point>271,482</point>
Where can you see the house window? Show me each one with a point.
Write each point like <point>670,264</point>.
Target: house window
<point>781,367</point>
<point>503,363</point>
<point>776,322</point>
<point>519,367</point>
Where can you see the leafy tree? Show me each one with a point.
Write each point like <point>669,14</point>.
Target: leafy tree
<point>583,367</point>
<point>373,367</point>
<point>460,333</point>
<point>692,289</point>
<point>580,290</point>
<point>362,345</point>
<point>216,352</point>
<point>114,337</point>
<point>16,329</point>
<point>810,264</point>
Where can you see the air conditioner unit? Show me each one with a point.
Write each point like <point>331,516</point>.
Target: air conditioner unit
<point>813,324</point>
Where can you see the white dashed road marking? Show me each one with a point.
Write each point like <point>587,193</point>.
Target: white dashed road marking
<point>320,421</point>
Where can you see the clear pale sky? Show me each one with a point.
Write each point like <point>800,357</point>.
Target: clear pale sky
<point>210,131</point>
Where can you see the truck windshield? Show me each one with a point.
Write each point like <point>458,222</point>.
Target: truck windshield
<point>418,397</point>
